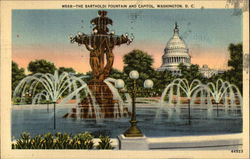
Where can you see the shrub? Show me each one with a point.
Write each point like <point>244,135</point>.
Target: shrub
<point>24,142</point>
<point>83,141</point>
<point>62,141</point>
<point>57,141</point>
<point>48,141</point>
<point>104,143</point>
<point>36,142</point>
<point>16,100</point>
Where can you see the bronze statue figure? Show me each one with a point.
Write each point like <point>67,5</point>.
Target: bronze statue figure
<point>99,43</point>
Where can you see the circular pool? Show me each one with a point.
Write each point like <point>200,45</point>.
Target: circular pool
<point>38,120</point>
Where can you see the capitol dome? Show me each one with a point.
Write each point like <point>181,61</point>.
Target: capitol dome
<point>175,52</point>
<point>176,41</point>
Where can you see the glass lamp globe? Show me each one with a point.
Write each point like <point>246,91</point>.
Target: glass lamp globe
<point>112,32</point>
<point>71,37</point>
<point>80,33</point>
<point>148,83</point>
<point>134,75</point>
<point>119,83</point>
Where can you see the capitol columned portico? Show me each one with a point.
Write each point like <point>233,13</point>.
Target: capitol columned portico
<point>176,52</point>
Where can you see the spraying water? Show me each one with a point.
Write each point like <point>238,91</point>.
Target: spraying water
<point>200,96</point>
<point>172,96</point>
<point>221,94</point>
<point>51,87</point>
<point>119,107</point>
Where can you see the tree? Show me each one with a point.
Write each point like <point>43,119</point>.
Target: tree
<point>184,70</point>
<point>161,79</point>
<point>41,66</point>
<point>235,63</point>
<point>115,73</point>
<point>66,69</point>
<point>234,75</point>
<point>236,57</point>
<point>141,62</point>
<point>138,60</point>
<point>17,75</point>
<point>190,73</point>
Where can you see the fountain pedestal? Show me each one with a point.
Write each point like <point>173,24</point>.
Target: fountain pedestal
<point>108,107</point>
<point>132,143</point>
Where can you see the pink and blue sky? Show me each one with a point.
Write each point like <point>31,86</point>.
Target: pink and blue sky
<point>44,34</point>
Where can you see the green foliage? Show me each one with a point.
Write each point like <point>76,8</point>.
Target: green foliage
<point>57,141</point>
<point>115,73</point>
<point>234,75</point>
<point>138,60</point>
<point>48,141</point>
<point>236,57</point>
<point>89,76</point>
<point>190,73</point>
<point>37,142</point>
<point>63,141</point>
<point>161,80</point>
<point>83,141</point>
<point>104,143</point>
<point>24,142</point>
<point>17,75</point>
<point>65,69</point>
<point>41,66</point>
<point>16,100</point>
<point>141,62</point>
<point>37,66</point>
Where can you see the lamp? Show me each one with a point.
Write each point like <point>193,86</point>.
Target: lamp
<point>134,75</point>
<point>148,83</point>
<point>119,84</point>
<point>133,131</point>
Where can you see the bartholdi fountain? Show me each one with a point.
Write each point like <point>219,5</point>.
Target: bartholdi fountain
<point>213,108</point>
<point>100,44</point>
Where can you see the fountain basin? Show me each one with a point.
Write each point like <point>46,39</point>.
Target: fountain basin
<point>36,120</point>
<point>203,142</point>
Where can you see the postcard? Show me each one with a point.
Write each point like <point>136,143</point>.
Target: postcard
<point>125,79</point>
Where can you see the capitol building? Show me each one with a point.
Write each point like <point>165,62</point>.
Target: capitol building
<point>176,52</point>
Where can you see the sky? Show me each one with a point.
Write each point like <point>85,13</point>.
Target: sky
<point>44,34</point>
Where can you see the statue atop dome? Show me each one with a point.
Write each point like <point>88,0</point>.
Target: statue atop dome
<point>175,52</point>
<point>176,29</point>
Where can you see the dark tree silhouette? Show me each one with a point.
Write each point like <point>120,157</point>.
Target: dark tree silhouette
<point>41,66</point>
<point>17,75</point>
